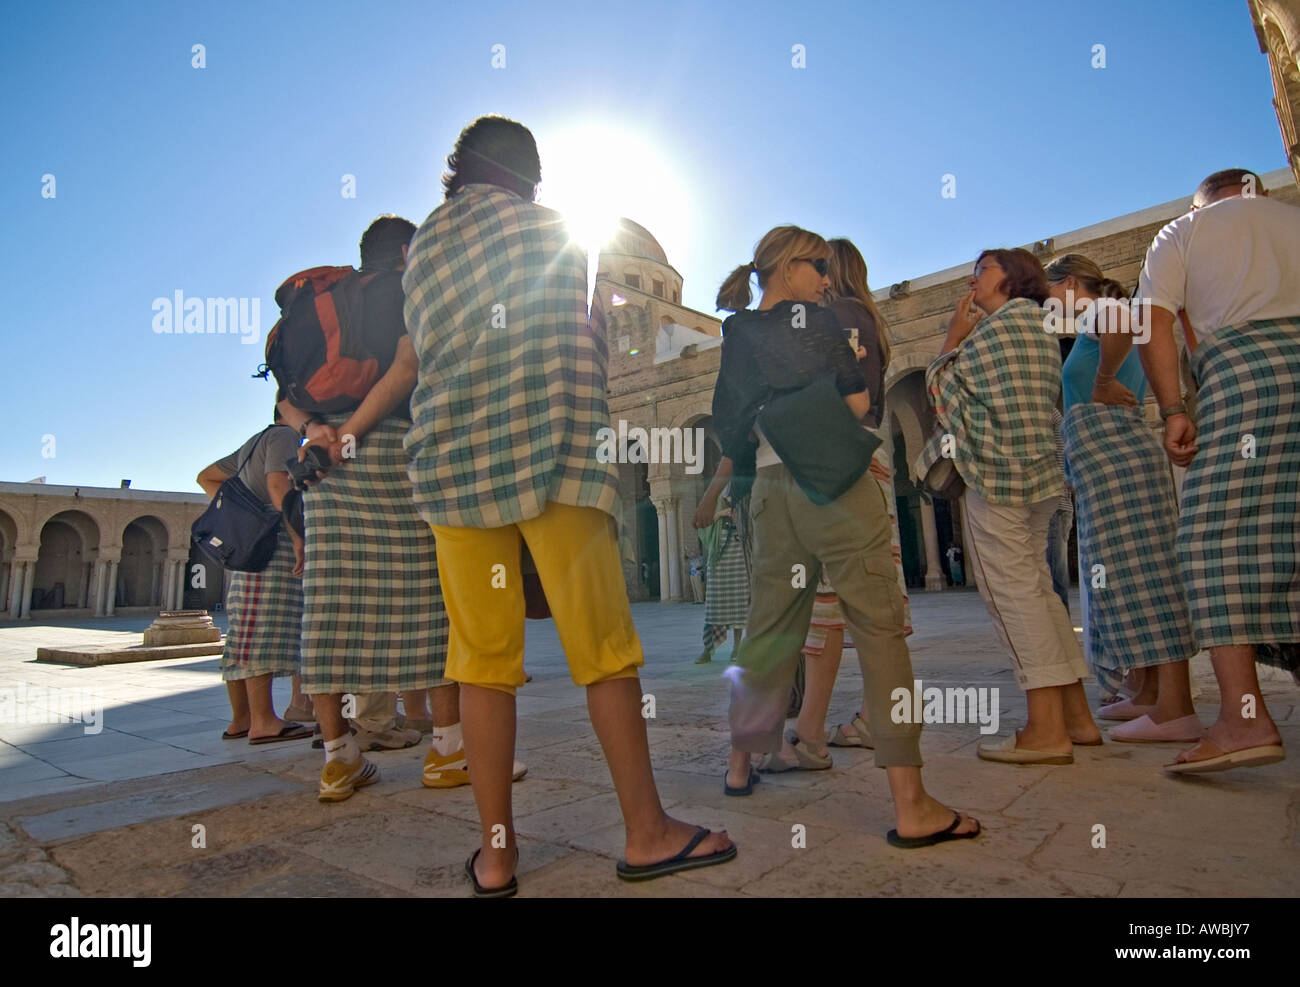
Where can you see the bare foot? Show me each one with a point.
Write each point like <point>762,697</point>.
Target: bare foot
<point>930,816</point>
<point>495,867</point>
<point>1233,735</point>
<point>1029,739</point>
<point>237,726</point>
<point>264,731</point>
<point>669,841</point>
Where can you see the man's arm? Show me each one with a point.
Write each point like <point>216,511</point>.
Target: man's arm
<point>211,479</point>
<point>391,390</point>
<point>1160,361</point>
<point>278,485</point>
<point>709,502</point>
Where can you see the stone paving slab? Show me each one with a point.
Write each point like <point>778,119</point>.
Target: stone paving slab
<point>109,654</point>
<point>267,835</point>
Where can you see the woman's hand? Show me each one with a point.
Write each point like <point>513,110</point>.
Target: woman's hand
<point>1111,391</point>
<point>964,319</point>
<point>880,472</point>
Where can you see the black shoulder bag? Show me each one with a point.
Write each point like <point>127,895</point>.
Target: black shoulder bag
<point>238,531</point>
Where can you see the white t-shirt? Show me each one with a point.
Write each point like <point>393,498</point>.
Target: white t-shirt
<point>1235,261</point>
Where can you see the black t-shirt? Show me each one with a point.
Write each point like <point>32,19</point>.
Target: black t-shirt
<point>383,323</point>
<point>852,314</point>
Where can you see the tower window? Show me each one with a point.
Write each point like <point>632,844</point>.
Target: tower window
<point>633,280</point>
<point>658,288</point>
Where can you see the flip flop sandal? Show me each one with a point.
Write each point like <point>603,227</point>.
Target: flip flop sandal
<point>505,891</point>
<point>227,735</point>
<point>683,861</point>
<point>943,836</point>
<point>1247,757</point>
<point>747,789</point>
<point>290,731</point>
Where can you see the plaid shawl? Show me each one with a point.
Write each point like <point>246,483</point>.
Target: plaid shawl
<point>995,393</point>
<point>511,391</point>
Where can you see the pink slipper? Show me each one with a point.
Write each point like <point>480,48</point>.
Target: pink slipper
<point>1125,709</point>
<point>1145,730</point>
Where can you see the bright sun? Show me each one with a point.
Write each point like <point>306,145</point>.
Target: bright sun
<point>597,174</point>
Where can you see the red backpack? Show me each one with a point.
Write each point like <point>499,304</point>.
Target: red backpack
<point>316,350</point>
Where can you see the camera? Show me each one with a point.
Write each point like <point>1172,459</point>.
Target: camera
<point>304,472</point>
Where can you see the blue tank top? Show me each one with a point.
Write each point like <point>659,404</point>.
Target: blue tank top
<point>1080,371</point>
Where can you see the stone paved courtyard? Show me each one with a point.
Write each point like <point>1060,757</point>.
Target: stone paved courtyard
<point>113,813</point>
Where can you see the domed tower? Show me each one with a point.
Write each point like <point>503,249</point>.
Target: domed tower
<point>634,259</point>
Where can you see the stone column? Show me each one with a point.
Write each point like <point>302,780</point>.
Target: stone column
<point>29,579</point>
<point>178,594</point>
<point>110,596</point>
<point>933,570</point>
<point>86,578</point>
<point>14,608</point>
<point>168,584</point>
<point>96,592</point>
<point>155,577</point>
<point>5,574</point>
<point>660,513</point>
<point>675,553</point>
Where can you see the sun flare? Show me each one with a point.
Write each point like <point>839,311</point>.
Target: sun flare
<point>595,175</point>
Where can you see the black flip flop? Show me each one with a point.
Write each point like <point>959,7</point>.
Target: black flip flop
<point>943,836</point>
<point>227,735</point>
<point>683,861</point>
<point>747,789</point>
<point>290,731</point>
<point>505,891</point>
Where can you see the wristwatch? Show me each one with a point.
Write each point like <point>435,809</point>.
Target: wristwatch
<point>302,429</point>
<point>1174,409</point>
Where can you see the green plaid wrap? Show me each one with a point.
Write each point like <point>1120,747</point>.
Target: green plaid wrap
<point>511,391</point>
<point>1239,534</point>
<point>373,617</point>
<point>995,393</point>
<point>726,593</point>
<point>264,627</point>
<point>1127,514</point>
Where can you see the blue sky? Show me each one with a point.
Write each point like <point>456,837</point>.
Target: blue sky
<point>221,181</point>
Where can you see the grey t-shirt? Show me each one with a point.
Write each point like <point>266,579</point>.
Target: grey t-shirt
<point>278,444</point>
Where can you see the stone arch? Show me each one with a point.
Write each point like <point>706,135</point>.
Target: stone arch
<point>145,541</point>
<point>69,546</point>
<point>8,547</point>
<point>907,401</point>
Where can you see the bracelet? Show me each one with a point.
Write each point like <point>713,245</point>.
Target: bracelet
<point>1106,378</point>
<point>1174,409</point>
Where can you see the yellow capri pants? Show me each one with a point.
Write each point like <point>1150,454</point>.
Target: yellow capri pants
<point>575,550</point>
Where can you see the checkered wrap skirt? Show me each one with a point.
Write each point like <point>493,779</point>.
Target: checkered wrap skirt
<point>726,594</point>
<point>1239,535</point>
<point>1127,517</point>
<point>264,628</point>
<point>373,617</point>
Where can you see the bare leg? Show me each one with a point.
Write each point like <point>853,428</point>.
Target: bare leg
<point>1045,730</point>
<point>445,702</point>
<point>1079,724</point>
<point>820,674</point>
<point>264,722</point>
<point>736,635</point>
<point>240,718</point>
<point>915,811</point>
<point>1236,728</point>
<point>488,717</point>
<point>329,714</point>
<point>1174,692</point>
<point>415,704</point>
<point>652,835</point>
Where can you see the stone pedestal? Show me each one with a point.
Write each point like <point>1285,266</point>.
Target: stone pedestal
<point>181,627</point>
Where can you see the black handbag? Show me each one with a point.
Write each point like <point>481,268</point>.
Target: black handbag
<point>819,440</point>
<point>238,531</point>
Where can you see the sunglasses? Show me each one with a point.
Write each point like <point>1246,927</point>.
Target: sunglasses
<point>820,264</point>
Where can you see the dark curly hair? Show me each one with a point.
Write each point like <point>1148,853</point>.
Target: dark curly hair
<point>496,151</point>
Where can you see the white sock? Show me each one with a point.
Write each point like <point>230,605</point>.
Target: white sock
<point>447,740</point>
<point>344,749</point>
